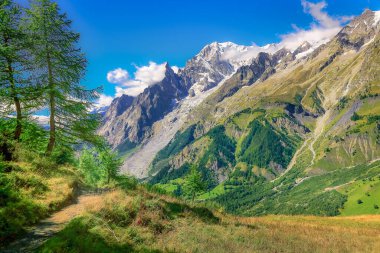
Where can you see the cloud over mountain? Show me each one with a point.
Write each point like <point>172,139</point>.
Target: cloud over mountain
<point>143,77</point>
<point>322,30</point>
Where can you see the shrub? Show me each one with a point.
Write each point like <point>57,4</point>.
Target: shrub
<point>355,117</point>
<point>63,155</point>
<point>16,215</point>
<point>360,201</point>
<point>44,164</point>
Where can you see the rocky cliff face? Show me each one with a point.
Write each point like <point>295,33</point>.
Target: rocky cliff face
<point>360,31</point>
<point>118,106</point>
<point>128,120</point>
<point>215,62</point>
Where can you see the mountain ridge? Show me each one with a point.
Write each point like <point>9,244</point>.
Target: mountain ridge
<point>198,77</point>
<point>315,118</point>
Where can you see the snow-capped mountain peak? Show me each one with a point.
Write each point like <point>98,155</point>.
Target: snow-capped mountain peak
<point>234,54</point>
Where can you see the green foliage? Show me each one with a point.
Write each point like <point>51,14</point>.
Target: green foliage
<point>367,191</point>
<point>179,141</point>
<point>17,92</point>
<point>44,164</point>
<point>193,182</point>
<point>89,166</point>
<point>260,197</point>
<point>166,174</point>
<point>42,65</point>
<point>31,143</point>
<point>126,183</point>
<point>264,145</point>
<point>16,212</point>
<point>222,148</point>
<point>110,163</point>
<point>128,223</point>
<point>355,117</point>
<point>63,155</point>
<point>99,166</point>
<point>342,103</point>
<point>59,65</point>
<point>221,152</point>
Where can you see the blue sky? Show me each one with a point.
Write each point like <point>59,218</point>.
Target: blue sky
<point>125,33</point>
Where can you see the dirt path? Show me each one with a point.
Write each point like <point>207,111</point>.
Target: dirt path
<point>46,228</point>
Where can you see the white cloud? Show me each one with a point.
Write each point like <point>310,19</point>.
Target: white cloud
<point>42,120</point>
<point>118,76</point>
<point>130,91</point>
<point>321,31</point>
<point>144,77</point>
<point>151,74</point>
<point>316,10</point>
<point>103,101</point>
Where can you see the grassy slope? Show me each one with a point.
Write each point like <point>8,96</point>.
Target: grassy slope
<point>29,193</point>
<point>368,191</point>
<point>139,221</point>
<point>350,83</point>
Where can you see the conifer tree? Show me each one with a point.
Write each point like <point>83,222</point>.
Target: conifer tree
<point>16,91</point>
<point>110,162</point>
<point>194,182</point>
<point>61,65</point>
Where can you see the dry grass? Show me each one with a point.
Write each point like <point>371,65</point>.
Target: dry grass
<point>186,232</point>
<point>275,234</point>
<point>84,204</point>
<point>61,186</point>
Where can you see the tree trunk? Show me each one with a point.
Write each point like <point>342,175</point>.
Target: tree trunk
<point>16,100</point>
<point>51,143</point>
<point>18,129</point>
<point>52,130</point>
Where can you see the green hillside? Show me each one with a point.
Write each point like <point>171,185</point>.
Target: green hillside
<point>311,127</point>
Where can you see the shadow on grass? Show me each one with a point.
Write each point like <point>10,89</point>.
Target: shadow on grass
<point>174,209</point>
<point>78,237</point>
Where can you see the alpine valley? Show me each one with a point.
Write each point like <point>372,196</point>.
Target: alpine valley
<point>273,129</point>
<point>243,149</point>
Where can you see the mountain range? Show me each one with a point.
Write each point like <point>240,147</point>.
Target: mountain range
<point>272,130</point>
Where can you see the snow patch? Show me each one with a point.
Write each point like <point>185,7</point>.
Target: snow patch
<point>236,55</point>
<point>303,54</point>
<point>239,55</point>
<point>376,18</point>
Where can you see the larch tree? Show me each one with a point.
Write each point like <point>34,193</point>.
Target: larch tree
<point>110,163</point>
<point>60,66</point>
<point>16,91</point>
<point>194,182</point>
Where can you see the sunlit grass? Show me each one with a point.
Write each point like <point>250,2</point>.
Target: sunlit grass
<point>140,221</point>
